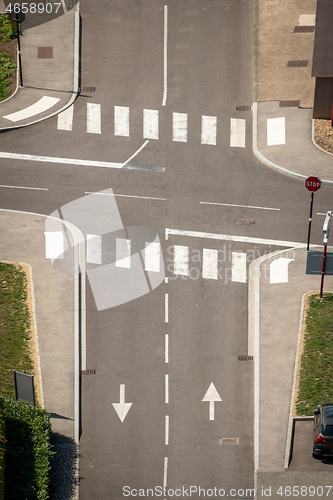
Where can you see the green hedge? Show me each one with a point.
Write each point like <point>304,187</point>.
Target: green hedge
<point>28,451</point>
<point>2,454</point>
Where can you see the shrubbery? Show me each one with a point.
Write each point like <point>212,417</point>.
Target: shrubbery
<point>28,451</point>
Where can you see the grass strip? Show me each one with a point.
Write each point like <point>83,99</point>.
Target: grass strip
<point>14,327</point>
<point>316,372</point>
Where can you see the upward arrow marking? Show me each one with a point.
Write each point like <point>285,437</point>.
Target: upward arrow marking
<point>122,408</point>
<point>211,395</point>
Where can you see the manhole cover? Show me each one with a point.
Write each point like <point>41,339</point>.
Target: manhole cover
<point>244,222</point>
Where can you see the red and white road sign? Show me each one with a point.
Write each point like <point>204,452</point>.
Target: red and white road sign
<point>313,184</point>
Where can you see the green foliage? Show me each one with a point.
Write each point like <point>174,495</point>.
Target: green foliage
<point>2,454</point>
<point>14,327</point>
<point>28,451</point>
<point>316,374</point>
<point>8,28</point>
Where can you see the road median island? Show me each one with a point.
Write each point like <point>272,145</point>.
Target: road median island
<point>315,370</point>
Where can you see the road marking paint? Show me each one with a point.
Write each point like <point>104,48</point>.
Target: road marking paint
<point>26,187</point>
<point>123,253</point>
<point>165,472</point>
<point>239,206</point>
<point>152,257</point>
<point>136,153</point>
<point>181,260</point>
<point>276,131</point>
<point>38,107</point>
<point>208,130</point>
<point>279,270</point>
<point>165,56</point>
<point>65,119</point>
<point>229,237</point>
<point>166,348</point>
<point>94,118</point>
<point>210,264</point>
<point>150,124</point>
<point>237,132</point>
<point>121,121</point>
<point>94,249</point>
<point>179,127</point>
<point>166,308</point>
<point>166,383</point>
<point>238,267</point>
<point>166,440</point>
<point>81,163</point>
<point>54,244</point>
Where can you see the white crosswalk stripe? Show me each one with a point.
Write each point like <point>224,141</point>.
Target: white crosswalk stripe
<point>152,257</point>
<point>121,121</point>
<point>181,260</point>
<point>94,125</point>
<point>238,267</point>
<point>208,130</point>
<point>237,132</point>
<point>180,125</point>
<point>94,249</point>
<point>210,264</point>
<point>123,253</point>
<point>65,119</point>
<point>150,124</point>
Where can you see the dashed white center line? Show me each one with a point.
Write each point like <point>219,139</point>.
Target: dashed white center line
<point>238,206</point>
<point>24,187</point>
<point>166,348</point>
<point>166,384</point>
<point>166,440</point>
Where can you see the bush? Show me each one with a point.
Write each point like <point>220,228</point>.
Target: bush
<point>28,451</point>
<point>8,28</point>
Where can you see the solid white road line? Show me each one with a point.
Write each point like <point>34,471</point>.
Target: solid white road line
<point>210,264</point>
<point>237,132</point>
<point>123,253</point>
<point>121,121</point>
<point>40,106</point>
<point>229,237</point>
<point>125,195</point>
<point>279,270</point>
<point>24,187</point>
<point>165,56</point>
<point>65,119</point>
<point>150,124</point>
<point>54,244</point>
<point>152,257</point>
<point>276,131</point>
<point>208,130</point>
<point>238,267</point>
<point>75,161</point>
<point>235,205</point>
<point>94,118</point>
<point>179,127</point>
<point>94,249</point>
<point>181,260</point>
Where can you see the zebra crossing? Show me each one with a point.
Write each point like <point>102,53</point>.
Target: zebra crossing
<point>209,125</point>
<point>178,262</point>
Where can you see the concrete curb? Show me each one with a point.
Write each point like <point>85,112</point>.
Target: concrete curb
<point>76,89</point>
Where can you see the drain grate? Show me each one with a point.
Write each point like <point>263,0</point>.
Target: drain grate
<point>304,29</point>
<point>87,89</point>
<point>297,64</point>
<point>290,104</point>
<point>245,358</point>
<point>243,108</point>
<point>88,372</point>
<point>244,222</point>
<point>228,440</point>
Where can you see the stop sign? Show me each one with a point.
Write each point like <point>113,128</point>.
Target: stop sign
<point>313,184</point>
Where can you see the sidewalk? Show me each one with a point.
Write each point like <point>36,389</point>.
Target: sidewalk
<point>50,71</point>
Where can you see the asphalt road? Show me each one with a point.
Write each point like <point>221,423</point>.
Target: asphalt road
<point>162,351</point>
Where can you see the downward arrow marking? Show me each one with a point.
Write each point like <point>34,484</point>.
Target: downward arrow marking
<point>122,408</point>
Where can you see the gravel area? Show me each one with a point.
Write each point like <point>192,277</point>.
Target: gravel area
<point>323,135</point>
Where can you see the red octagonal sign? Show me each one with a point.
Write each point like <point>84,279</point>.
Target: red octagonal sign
<point>313,184</point>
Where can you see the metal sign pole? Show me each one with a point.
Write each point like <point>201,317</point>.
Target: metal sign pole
<point>310,220</point>
<point>326,228</point>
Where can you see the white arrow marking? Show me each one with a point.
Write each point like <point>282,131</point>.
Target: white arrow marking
<point>211,395</point>
<point>122,408</point>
